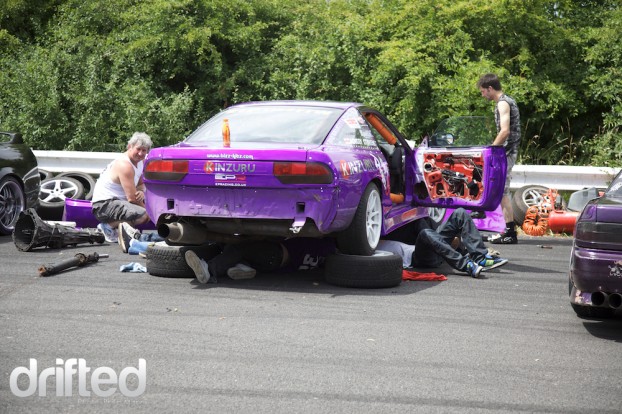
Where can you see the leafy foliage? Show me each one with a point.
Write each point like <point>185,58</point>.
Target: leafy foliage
<point>85,74</point>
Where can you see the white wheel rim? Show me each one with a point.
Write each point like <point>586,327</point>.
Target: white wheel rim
<point>533,196</point>
<point>57,190</point>
<point>373,219</point>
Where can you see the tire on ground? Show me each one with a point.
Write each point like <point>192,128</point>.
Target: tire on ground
<point>87,180</point>
<point>169,261</point>
<point>52,195</point>
<point>381,270</point>
<point>525,197</point>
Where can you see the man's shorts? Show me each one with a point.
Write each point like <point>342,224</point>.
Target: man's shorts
<point>511,158</point>
<point>117,210</point>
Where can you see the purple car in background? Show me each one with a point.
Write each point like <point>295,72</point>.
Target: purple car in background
<point>279,169</point>
<point>596,261</point>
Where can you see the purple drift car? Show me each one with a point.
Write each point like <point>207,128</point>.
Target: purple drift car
<point>280,169</point>
<point>596,261</point>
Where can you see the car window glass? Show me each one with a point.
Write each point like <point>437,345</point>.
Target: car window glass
<point>352,131</point>
<point>616,187</point>
<point>274,123</point>
<point>464,131</point>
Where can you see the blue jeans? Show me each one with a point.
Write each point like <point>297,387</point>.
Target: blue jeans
<point>433,246</point>
<point>143,242</point>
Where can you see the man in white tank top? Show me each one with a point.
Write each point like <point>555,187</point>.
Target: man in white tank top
<point>119,194</point>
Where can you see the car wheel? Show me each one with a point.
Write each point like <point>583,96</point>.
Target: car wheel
<point>87,180</point>
<point>53,193</point>
<point>169,261</point>
<point>12,202</point>
<point>592,312</point>
<point>525,197</point>
<point>381,270</point>
<point>363,235</point>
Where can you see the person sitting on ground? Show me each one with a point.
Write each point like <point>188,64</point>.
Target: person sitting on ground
<point>243,260</point>
<point>456,241</point>
<point>119,193</point>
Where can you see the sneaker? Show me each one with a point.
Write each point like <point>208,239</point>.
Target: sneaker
<point>490,263</point>
<point>241,271</point>
<point>126,234</point>
<point>503,238</point>
<point>110,234</point>
<point>198,266</point>
<point>473,269</point>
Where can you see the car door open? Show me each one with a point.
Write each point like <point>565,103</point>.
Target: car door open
<point>457,166</point>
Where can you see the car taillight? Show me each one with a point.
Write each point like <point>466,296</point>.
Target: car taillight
<point>166,170</point>
<point>597,235</point>
<point>302,173</point>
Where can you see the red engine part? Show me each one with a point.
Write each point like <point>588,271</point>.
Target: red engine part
<point>562,221</point>
<point>451,175</point>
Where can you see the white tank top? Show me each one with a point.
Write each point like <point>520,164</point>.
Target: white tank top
<point>106,189</point>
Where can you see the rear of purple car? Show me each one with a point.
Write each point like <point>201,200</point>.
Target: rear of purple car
<point>281,169</point>
<point>596,261</point>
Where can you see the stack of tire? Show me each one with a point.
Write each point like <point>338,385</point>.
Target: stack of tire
<point>56,188</point>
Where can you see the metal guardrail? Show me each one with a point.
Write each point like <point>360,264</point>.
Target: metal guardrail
<point>560,177</point>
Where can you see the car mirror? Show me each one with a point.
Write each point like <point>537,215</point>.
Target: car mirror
<point>442,140</point>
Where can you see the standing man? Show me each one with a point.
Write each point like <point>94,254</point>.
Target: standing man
<point>119,194</point>
<point>507,118</point>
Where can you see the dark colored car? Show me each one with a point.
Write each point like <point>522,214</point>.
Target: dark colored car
<point>19,180</point>
<point>312,169</point>
<point>596,262</point>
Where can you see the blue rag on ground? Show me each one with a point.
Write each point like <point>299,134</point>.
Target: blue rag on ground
<point>133,268</point>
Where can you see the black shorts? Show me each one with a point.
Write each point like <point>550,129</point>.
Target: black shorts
<point>106,211</point>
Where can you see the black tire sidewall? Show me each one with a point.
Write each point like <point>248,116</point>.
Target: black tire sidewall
<point>381,270</point>
<point>164,260</point>
<point>87,180</point>
<point>8,230</point>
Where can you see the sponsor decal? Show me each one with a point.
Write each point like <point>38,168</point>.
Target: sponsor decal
<point>352,123</point>
<point>229,184</point>
<point>230,180</point>
<point>616,269</point>
<point>229,167</point>
<point>230,177</point>
<point>231,156</point>
<point>358,166</point>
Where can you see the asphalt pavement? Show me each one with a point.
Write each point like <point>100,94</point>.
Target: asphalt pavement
<point>290,343</point>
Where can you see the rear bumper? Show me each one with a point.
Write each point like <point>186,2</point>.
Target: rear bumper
<point>593,270</point>
<point>227,209</point>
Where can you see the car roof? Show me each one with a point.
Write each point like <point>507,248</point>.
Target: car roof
<point>331,104</point>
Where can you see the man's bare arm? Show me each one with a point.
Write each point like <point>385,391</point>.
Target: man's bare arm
<point>504,123</point>
<point>126,179</point>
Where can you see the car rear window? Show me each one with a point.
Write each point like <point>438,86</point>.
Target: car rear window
<point>274,124</point>
<point>616,187</point>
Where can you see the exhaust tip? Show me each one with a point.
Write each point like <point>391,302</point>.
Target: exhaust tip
<point>615,300</point>
<point>599,298</point>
